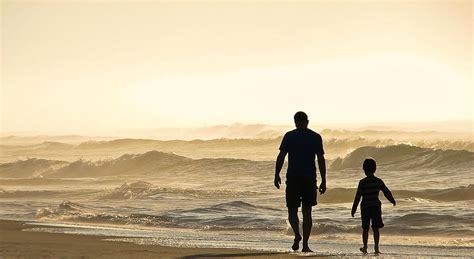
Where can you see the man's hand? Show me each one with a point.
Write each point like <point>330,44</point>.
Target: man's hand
<point>322,187</point>
<point>394,203</point>
<point>279,164</point>
<point>353,213</point>
<point>277,181</point>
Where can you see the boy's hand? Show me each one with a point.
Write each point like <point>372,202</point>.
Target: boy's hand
<point>277,181</point>
<point>353,213</point>
<point>322,187</point>
<point>394,203</point>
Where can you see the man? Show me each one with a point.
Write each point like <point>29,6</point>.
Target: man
<point>302,146</point>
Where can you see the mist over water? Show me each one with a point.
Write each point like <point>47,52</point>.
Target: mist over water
<point>224,195</point>
<point>145,82</point>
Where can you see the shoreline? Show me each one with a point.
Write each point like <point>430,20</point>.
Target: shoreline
<point>30,239</point>
<point>16,243</point>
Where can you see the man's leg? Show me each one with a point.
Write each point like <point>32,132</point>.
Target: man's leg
<point>307,225</point>
<point>376,239</point>
<point>295,225</point>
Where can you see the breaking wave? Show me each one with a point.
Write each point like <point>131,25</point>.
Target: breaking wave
<point>71,211</point>
<point>156,163</point>
<point>30,168</point>
<point>230,215</point>
<point>406,157</point>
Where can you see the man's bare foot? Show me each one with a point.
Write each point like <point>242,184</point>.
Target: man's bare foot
<point>296,243</point>
<point>306,249</point>
<point>377,251</point>
<point>363,250</point>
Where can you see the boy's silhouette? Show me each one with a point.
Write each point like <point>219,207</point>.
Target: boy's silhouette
<point>302,146</point>
<point>371,207</point>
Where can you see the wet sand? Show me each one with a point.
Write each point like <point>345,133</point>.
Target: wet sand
<point>15,243</point>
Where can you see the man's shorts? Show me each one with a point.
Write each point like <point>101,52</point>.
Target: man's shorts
<point>301,190</point>
<point>374,214</point>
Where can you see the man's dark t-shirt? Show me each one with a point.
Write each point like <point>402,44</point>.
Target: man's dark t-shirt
<point>302,146</point>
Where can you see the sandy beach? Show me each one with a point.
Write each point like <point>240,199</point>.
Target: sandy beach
<point>15,243</point>
<point>236,129</point>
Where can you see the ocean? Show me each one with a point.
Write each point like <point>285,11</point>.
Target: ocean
<point>166,199</point>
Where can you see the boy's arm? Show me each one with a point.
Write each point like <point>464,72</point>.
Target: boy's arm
<point>388,194</point>
<point>356,201</point>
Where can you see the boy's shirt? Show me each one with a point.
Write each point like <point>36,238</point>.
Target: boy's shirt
<point>369,188</point>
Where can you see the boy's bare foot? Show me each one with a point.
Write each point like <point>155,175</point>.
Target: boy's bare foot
<point>306,249</point>
<point>296,243</point>
<point>377,251</point>
<point>363,250</point>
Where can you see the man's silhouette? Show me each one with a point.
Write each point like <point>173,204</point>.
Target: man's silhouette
<point>302,146</point>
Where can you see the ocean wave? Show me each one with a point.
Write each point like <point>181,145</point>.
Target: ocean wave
<point>432,224</point>
<point>134,190</point>
<point>146,190</point>
<point>240,215</point>
<point>408,224</point>
<point>406,157</point>
<point>462,193</point>
<point>442,226</point>
<point>71,211</point>
<point>129,164</point>
<point>417,200</point>
<point>429,219</point>
<point>35,181</point>
<point>22,194</point>
<point>30,168</point>
<point>231,215</point>
<point>155,163</point>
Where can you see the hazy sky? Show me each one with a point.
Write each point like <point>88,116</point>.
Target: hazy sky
<point>97,67</point>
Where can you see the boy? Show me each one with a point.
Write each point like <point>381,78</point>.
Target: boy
<point>371,207</point>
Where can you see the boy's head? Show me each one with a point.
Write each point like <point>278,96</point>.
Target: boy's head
<point>369,166</point>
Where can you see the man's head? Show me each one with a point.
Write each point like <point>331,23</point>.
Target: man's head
<point>301,120</point>
<point>369,166</point>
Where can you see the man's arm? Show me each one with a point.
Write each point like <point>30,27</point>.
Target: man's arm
<point>322,171</point>
<point>279,165</point>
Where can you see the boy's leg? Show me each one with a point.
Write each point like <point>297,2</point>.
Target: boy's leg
<point>295,225</point>
<point>377,224</point>
<point>365,218</point>
<point>376,239</point>
<point>307,225</point>
<point>365,237</point>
